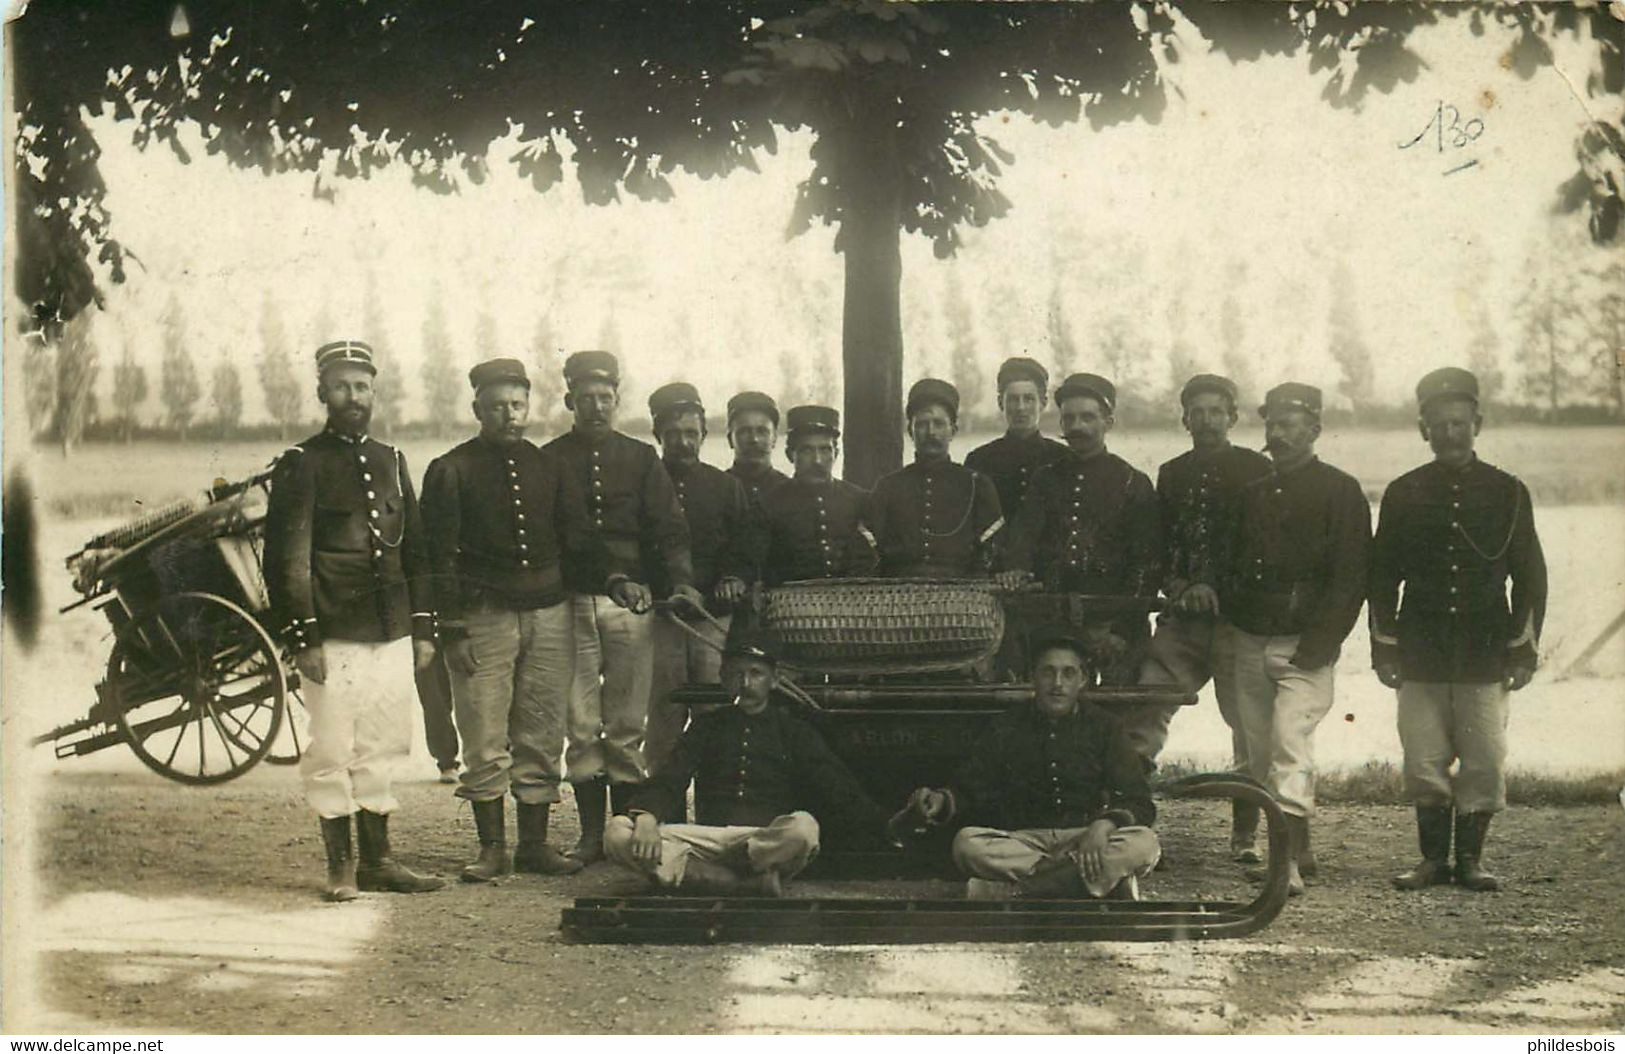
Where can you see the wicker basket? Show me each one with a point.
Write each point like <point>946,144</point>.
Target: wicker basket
<point>885,625</point>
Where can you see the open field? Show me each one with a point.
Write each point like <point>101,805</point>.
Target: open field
<point>1562,465</point>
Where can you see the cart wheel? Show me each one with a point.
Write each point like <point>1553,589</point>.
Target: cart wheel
<point>198,687</point>
<point>290,743</point>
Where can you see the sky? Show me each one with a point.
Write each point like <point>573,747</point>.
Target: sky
<point>1249,187</point>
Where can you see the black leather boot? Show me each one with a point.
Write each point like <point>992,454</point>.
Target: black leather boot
<point>1433,836</point>
<point>590,804</point>
<point>379,873</point>
<point>340,859</point>
<point>534,856</point>
<point>1244,818</point>
<point>491,824</point>
<point>1471,827</point>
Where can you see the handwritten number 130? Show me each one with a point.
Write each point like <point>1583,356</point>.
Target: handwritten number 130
<point>1455,134</point>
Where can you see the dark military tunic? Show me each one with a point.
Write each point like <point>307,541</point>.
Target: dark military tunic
<point>816,530</point>
<point>345,552</point>
<point>1010,462</point>
<point>1033,772</point>
<point>503,520</point>
<point>633,512</point>
<point>748,769</point>
<point>1089,525</point>
<point>759,480</point>
<point>1198,491</point>
<point>935,519</point>
<point>1301,550</point>
<point>721,527</point>
<point>1454,537</point>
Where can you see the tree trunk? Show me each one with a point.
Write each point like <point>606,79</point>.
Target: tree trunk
<point>871,326</point>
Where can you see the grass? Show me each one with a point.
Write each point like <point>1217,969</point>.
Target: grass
<point>1562,465</point>
<point>1380,783</point>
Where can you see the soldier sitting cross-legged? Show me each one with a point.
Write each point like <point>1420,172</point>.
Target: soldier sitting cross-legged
<point>760,775</point>
<point>1054,803</point>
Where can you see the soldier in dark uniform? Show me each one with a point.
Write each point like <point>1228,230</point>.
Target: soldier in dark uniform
<point>504,518</point>
<point>934,519</point>
<point>1054,801</point>
<point>753,431</point>
<point>721,531</point>
<point>1452,533</point>
<point>1197,492</point>
<point>761,778</point>
<point>637,527</point>
<point>1294,585</point>
<point>346,567</point>
<point>1090,524</point>
<point>1010,460</point>
<point>816,525</point>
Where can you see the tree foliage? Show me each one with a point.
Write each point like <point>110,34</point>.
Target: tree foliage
<point>77,367</point>
<point>284,395</point>
<point>226,395</point>
<point>442,381</point>
<point>178,385</point>
<point>129,391</point>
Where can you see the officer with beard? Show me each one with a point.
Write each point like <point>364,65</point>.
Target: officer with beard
<point>720,529</point>
<point>934,519</point>
<point>1198,491</point>
<point>1293,587</point>
<point>346,566</point>
<point>1452,534</point>
<point>504,518</point>
<point>1090,524</point>
<point>816,525</point>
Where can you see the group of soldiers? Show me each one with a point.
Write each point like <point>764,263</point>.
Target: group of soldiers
<point>534,574</point>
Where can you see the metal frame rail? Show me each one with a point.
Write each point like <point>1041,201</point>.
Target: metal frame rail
<point>841,920</point>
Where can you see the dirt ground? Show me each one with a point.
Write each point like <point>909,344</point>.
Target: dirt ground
<point>169,909</point>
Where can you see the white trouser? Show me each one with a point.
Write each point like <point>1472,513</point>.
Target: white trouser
<point>360,726</point>
<point>1280,706</point>
<point>1012,856</point>
<point>1440,723</point>
<point>609,695</point>
<point>787,844</point>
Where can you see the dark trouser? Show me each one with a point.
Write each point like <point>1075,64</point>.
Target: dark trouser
<point>434,696</point>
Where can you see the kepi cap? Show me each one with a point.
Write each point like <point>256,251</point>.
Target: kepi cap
<point>1204,383</point>
<point>1291,396</point>
<point>932,391</point>
<point>756,642</point>
<point>498,371</point>
<point>1058,635</point>
<point>760,402</point>
<point>584,366</point>
<point>1021,368</point>
<point>345,353</point>
<point>1448,382</point>
<point>1089,384</point>
<point>676,397</point>
<point>813,419</point>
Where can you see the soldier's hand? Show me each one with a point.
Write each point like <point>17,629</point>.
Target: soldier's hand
<point>1092,849</point>
<point>1105,647</point>
<point>1011,580</point>
<point>422,654</point>
<point>931,804</point>
<point>633,596</point>
<point>646,839</point>
<point>460,657</point>
<point>729,590</point>
<point>1519,676</point>
<point>691,595</point>
<point>1388,674</point>
<point>312,664</point>
<point>1198,598</point>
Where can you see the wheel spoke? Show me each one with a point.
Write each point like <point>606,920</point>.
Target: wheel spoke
<point>220,730</point>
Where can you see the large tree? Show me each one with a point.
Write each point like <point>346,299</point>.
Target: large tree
<point>129,391</point>
<point>178,386</point>
<point>638,89</point>
<point>284,394</point>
